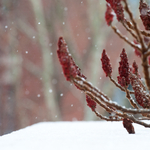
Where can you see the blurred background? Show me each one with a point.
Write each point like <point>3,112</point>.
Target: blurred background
<point>32,86</point>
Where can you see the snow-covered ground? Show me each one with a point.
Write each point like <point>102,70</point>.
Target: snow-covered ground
<point>77,136</point>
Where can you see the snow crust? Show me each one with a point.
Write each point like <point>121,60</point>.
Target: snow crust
<point>98,135</point>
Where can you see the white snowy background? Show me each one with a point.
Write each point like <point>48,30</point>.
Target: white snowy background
<point>98,135</point>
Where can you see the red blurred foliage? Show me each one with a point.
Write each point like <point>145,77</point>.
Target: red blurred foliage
<point>109,15</point>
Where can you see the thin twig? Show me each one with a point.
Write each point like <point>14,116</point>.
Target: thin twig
<point>138,121</point>
<point>147,54</point>
<point>111,118</point>
<point>135,25</point>
<point>146,71</point>
<point>91,86</point>
<point>145,33</point>
<point>148,46</point>
<point>125,39</point>
<point>130,25</point>
<point>108,109</point>
<point>120,87</point>
<point>129,30</point>
<point>128,96</point>
<point>143,118</point>
<point>83,85</point>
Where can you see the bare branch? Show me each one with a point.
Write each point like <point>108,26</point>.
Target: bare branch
<point>111,118</point>
<point>130,25</point>
<point>120,87</point>
<point>129,30</point>
<point>135,26</point>
<point>85,86</point>
<point>145,33</point>
<point>147,54</point>
<point>148,46</point>
<point>125,39</point>
<point>128,96</point>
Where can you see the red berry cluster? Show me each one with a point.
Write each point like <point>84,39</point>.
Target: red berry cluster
<point>70,69</point>
<point>106,64</point>
<point>123,78</point>
<point>145,14</point>
<point>117,7</point>
<point>141,96</point>
<point>109,15</point>
<point>91,103</point>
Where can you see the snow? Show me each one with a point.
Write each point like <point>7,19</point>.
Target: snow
<point>65,8</point>
<point>50,90</point>
<point>39,95</point>
<point>76,136</point>
<point>61,94</point>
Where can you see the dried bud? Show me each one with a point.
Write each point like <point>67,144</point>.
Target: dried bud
<point>70,69</point>
<point>123,78</point>
<point>127,123</point>
<point>145,14</point>
<point>135,68</point>
<point>109,15</point>
<point>91,103</point>
<point>118,9</point>
<point>106,64</point>
<point>137,53</point>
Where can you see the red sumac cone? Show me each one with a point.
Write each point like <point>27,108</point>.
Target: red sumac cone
<point>128,125</point>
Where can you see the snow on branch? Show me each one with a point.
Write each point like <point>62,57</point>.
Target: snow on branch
<point>139,98</point>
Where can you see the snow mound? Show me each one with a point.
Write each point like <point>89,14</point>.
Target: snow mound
<point>76,136</point>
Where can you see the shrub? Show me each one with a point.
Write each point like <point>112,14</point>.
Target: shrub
<point>127,76</point>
